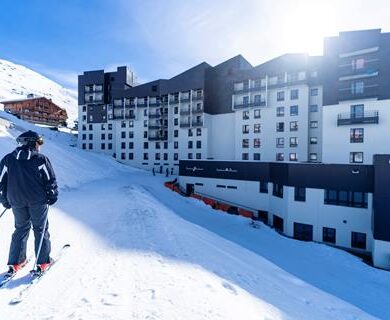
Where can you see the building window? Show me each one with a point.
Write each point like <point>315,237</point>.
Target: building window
<point>357,87</point>
<point>176,110</point>
<point>123,124</point>
<point>198,156</point>
<point>293,157</point>
<point>245,129</point>
<point>146,156</point>
<point>279,142</point>
<point>131,134</point>
<point>313,140</point>
<point>256,156</point>
<point>165,145</point>
<point>103,136</point>
<point>110,146</point>
<point>245,143</point>
<point>146,145</point>
<point>190,133</point>
<point>176,133</point>
<point>123,145</point>
<point>198,144</point>
<point>313,157</point>
<point>314,92</point>
<point>303,231</point>
<point>300,194</point>
<point>256,143</point>
<point>313,108</point>
<point>346,198</point>
<point>175,145</point>
<point>257,128</point>
<point>257,114</point>
<point>277,190</point>
<point>356,157</point>
<point>110,126</point>
<point>280,96</point>
<point>190,144</point>
<point>84,137</point>
<point>263,187</point>
<point>145,123</point>
<point>329,235</point>
<point>145,112</point>
<point>131,145</point>
<point>245,156</point>
<point>84,146</point>
<point>357,135</point>
<point>84,109</point>
<point>103,146</point>
<point>280,156</point>
<point>131,156</point>
<point>90,146</point>
<point>313,124</point>
<point>293,110</point>
<point>245,115</point>
<point>84,118</point>
<point>280,126</point>
<point>358,240</point>
<point>358,63</point>
<point>90,136</point>
<point>293,142</point>
<point>190,156</point>
<point>198,132</point>
<point>165,156</point>
<point>175,121</point>
<point>294,94</point>
<point>293,125</point>
<point>157,156</point>
<point>90,127</point>
<point>280,111</point>
<point>123,156</point>
<point>123,134</point>
<point>357,111</point>
<point>278,223</point>
<point>175,156</point>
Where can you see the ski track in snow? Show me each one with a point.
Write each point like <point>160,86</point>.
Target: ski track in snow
<point>133,256</point>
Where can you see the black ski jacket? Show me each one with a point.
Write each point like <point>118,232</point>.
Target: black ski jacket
<point>27,178</point>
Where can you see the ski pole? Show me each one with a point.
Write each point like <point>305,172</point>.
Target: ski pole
<point>41,240</point>
<point>3,212</point>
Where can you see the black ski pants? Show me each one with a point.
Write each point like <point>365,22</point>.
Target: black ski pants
<point>24,217</point>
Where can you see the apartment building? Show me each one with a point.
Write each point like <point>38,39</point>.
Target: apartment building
<point>308,136</point>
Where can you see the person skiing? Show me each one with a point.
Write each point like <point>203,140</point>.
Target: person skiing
<point>28,185</point>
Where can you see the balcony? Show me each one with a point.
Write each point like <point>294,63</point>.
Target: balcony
<point>197,123</point>
<point>242,105</point>
<point>245,89</point>
<point>173,101</point>
<point>260,103</point>
<point>185,124</point>
<point>154,126</point>
<point>197,97</point>
<point>185,112</point>
<point>154,115</point>
<point>197,110</point>
<point>185,99</point>
<point>121,117</point>
<point>155,104</point>
<point>141,103</point>
<point>348,118</point>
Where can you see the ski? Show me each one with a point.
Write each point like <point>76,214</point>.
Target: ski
<point>9,276</point>
<point>36,277</point>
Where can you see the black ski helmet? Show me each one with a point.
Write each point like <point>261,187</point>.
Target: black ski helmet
<point>29,138</point>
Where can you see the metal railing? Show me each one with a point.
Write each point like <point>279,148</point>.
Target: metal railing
<point>367,117</point>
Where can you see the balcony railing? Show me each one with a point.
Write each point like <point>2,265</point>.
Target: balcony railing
<point>367,117</point>
<point>154,126</point>
<point>158,138</point>
<point>154,115</point>
<point>197,110</point>
<point>121,117</point>
<point>185,124</point>
<point>185,112</point>
<point>184,99</point>
<point>154,104</point>
<point>195,98</point>
<point>197,123</point>
<point>173,101</point>
<point>242,90</point>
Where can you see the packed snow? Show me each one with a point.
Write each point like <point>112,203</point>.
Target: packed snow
<point>17,81</point>
<point>141,251</point>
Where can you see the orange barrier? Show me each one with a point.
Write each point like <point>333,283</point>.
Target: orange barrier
<point>245,213</point>
<point>211,202</point>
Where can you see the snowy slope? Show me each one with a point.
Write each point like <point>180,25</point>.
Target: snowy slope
<point>16,81</point>
<point>140,251</point>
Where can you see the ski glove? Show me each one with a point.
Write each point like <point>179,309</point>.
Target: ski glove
<point>6,204</point>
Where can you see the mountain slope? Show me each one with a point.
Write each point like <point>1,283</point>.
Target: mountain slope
<point>16,81</point>
<point>136,255</point>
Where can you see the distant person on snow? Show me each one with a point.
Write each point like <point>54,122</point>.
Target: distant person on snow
<point>28,186</point>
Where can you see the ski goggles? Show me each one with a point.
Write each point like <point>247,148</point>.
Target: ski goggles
<point>30,140</point>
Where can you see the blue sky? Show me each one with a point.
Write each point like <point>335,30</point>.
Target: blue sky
<point>158,39</point>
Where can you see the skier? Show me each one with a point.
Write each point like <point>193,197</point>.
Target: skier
<point>28,186</point>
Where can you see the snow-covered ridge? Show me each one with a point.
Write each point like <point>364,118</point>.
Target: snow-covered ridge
<point>16,81</point>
